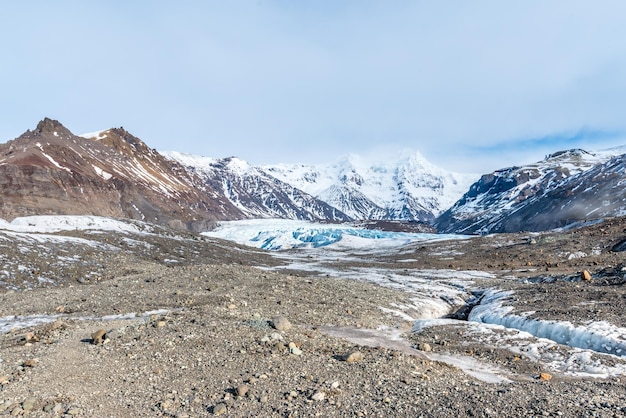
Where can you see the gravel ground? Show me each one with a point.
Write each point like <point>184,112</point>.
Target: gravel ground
<point>193,329</point>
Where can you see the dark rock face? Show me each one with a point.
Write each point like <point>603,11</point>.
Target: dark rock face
<point>258,194</point>
<point>51,171</point>
<point>567,187</point>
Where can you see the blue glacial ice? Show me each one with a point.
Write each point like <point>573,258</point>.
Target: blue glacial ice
<point>272,234</point>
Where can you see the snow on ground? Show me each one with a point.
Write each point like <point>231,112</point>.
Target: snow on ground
<point>16,322</point>
<point>435,294</point>
<point>58,223</point>
<point>601,337</point>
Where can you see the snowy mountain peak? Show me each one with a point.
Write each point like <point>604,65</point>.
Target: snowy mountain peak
<point>404,186</point>
<point>516,198</point>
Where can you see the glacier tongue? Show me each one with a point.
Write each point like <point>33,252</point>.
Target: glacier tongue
<point>283,234</point>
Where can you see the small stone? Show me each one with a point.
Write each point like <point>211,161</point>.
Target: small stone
<point>276,336</point>
<point>354,357</point>
<point>334,385</point>
<point>281,323</point>
<point>4,380</point>
<point>29,404</point>
<point>31,338</point>
<point>98,336</point>
<point>57,408</point>
<point>585,275</point>
<point>30,363</point>
<point>73,411</point>
<point>424,347</point>
<point>220,409</point>
<point>48,408</point>
<point>545,376</point>
<point>264,399</point>
<point>318,396</point>
<point>242,390</point>
<point>295,351</point>
<point>161,324</point>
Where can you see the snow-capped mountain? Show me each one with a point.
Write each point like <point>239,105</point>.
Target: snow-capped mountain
<point>51,171</point>
<point>254,192</point>
<point>407,187</point>
<point>565,187</point>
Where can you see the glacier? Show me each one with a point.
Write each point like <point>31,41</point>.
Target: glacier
<point>284,234</point>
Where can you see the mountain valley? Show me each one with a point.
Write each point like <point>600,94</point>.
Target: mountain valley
<point>141,283</point>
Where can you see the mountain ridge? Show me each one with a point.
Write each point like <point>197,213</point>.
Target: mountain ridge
<point>112,173</point>
<point>49,170</point>
<point>527,197</point>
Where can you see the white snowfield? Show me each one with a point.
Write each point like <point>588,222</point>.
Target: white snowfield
<point>52,224</point>
<point>434,294</point>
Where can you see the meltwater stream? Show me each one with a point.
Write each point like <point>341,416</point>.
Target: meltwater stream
<point>601,337</point>
<point>435,293</point>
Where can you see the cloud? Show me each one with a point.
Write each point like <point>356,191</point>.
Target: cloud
<point>309,81</point>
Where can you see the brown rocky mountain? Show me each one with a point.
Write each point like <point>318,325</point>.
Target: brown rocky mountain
<point>52,171</point>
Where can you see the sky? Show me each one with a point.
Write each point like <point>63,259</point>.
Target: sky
<point>472,85</point>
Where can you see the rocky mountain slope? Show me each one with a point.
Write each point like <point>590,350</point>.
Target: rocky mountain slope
<point>565,187</point>
<point>405,188</point>
<point>254,192</point>
<point>110,173</point>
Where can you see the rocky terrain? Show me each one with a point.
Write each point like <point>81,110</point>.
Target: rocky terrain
<point>51,171</point>
<point>194,326</point>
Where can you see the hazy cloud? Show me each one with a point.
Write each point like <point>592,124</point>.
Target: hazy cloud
<point>472,85</point>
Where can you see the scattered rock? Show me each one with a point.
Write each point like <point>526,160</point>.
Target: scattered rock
<point>220,409</point>
<point>281,323</point>
<point>545,376</point>
<point>318,396</point>
<point>424,347</point>
<point>354,357</point>
<point>242,390</point>
<point>4,380</point>
<point>99,336</point>
<point>29,404</point>
<point>30,363</point>
<point>585,275</point>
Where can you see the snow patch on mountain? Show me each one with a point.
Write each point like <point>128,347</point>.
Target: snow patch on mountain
<point>405,187</point>
<point>493,202</point>
<point>254,192</point>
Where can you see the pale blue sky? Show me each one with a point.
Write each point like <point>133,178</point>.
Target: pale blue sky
<point>472,85</point>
